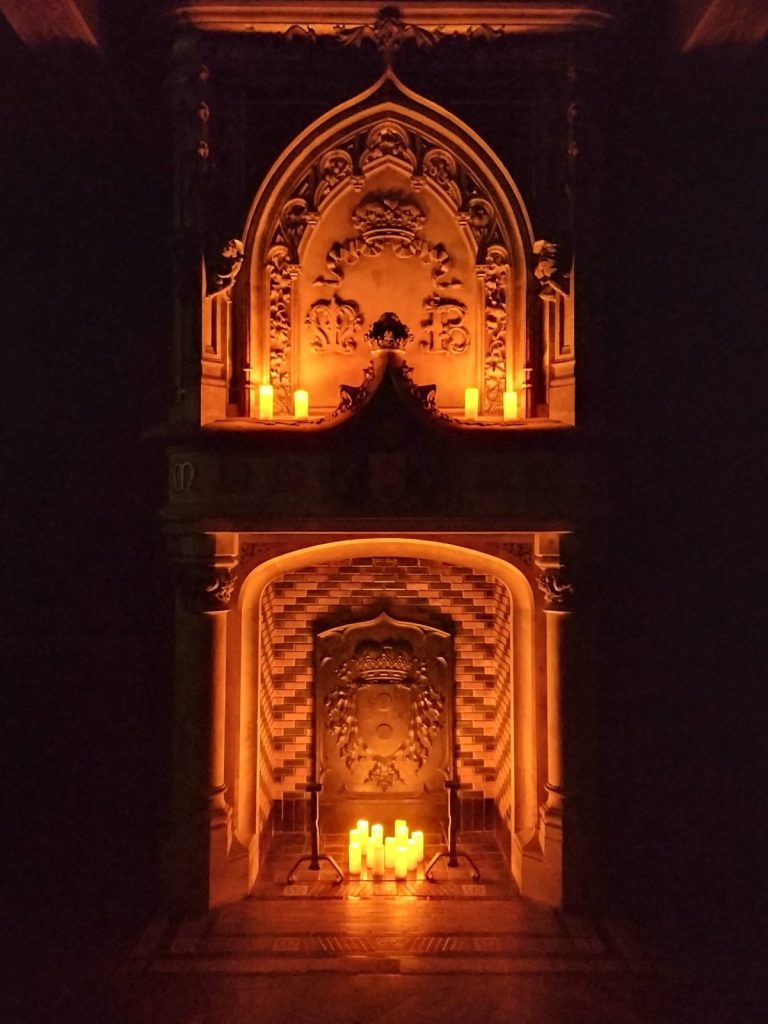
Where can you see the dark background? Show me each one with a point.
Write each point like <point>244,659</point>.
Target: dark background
<point>675,619</point>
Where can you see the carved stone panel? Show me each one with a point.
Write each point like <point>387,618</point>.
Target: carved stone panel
<point>383,715</point>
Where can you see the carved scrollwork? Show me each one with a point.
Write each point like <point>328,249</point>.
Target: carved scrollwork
<point>557,590</point>
<point>352,397</point>
<point>444,325</point>
<point>228,266</point>
<point>335,325</point>
<point>495,277</point>
<point>281,273</point>
<point>221,587</point>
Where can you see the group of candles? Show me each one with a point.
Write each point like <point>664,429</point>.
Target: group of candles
<point>472,404</point>
<point>267,403</point>
<point>301,403</point>
<point>399,853</point>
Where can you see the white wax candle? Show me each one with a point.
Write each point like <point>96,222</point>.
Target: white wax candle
<point>377,833</point>
<point>378,860</point>
<point>401,863</point>
<point>418,838</point>
<point>301,404</point>
<point>362,834</point>
<point>401,834</point>
<point>266,402</point>
<point>369,851</point>
<point>471,403</point>
<point>413,854</point>
<point>389,852</point>
<point>355,859</point>
<point>510,405</point>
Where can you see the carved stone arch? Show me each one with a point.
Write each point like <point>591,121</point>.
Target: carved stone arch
<point>387,201</point>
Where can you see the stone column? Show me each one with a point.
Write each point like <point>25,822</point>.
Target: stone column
<point>558,592</point>
<point>202,844</point>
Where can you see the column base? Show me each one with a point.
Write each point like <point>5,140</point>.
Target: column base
<point>537,862</point>
<point>227,862</point>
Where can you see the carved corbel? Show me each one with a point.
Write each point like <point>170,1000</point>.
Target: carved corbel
<point>558,591</point>
<point>227,267</point>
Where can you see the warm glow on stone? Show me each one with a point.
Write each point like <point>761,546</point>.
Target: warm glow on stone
<point>266,402</point>
<point>471,403</point>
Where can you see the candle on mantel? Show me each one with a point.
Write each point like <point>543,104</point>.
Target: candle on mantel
<point>266,402</point>
<point>389,852</point>
<point>510,405</point>
<point>413,854</point>
<point>401,833</point>
<point>401,863</point>
<point>418,838</point>
<point>471,403</point>
<point>355,859</point>
<point>301,404</point>
<point>377,833</point>
<point>362,832</point>
<point>378,859</point>
<point>370,851</point>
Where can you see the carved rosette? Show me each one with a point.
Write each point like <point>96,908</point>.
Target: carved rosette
<point>557,590</point>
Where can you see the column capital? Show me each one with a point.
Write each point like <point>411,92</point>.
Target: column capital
<point>557,589</point>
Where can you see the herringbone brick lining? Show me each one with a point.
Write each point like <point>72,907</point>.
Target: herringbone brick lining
<point>478,606</point>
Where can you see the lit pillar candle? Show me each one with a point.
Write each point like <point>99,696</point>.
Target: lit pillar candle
<point>378,859</point>
<point>471,403</point>
<point>301,404</point>
<point>377,833</point>
<point>370,851</point>
<point>266,402</point>
<point>389,852</point>
<point>418,838</point>
<point>510,405</point>
<point>413,854</point>
<point>355,859</point>
<point>362,834</point>
<point>401,863</point>
<point>401,833</point>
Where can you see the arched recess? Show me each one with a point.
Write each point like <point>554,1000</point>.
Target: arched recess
<point>527,772</point>
<point>388,201</point>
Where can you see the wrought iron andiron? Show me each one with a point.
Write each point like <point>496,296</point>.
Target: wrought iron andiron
<point>314,858</point>
<point>452,853</point>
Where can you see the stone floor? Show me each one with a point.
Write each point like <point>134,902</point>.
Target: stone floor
<point>373,952</point>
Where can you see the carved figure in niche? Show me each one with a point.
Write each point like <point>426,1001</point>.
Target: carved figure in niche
<point>335,167</point>
<point>385,710</point>
<point>334,324</point>
<point>387,139</point>
<point>445,329</point>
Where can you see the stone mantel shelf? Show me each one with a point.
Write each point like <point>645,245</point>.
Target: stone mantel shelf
<point>256,16</point>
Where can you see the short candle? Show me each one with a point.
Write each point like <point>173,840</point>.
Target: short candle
<point>300,404</point>
<point>378,860</point>
<point>471,403</point>
<point>418,838</point>
<point>355,859</point>
<point>510,405</point>
<point>266,402</point>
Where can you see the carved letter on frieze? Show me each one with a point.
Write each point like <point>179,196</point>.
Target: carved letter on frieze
<point>335,325</point>
<point>444,326</point>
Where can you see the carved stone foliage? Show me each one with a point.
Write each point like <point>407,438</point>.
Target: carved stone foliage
<point>384,708</point>
<point>228,266</point>
<point>281,276</point>
<point>221,587</point>
<point>557,590</point>
<point>335,325</point>
<point>494,274</point>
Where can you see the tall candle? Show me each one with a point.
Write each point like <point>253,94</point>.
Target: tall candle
<point>370,851</point>
<point>510,405</point>
<point>418,838</point>
<point>377,833</point>
<point>471,403</point>
<point>401,863</point>
<point>389,851</point>
<point>362,831</point>
<point>266,402</point>
<point>355,859</point>
<point>413,854</point>
<point>401,834</point>
<point>399,823</point>
<point>301,404</point>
